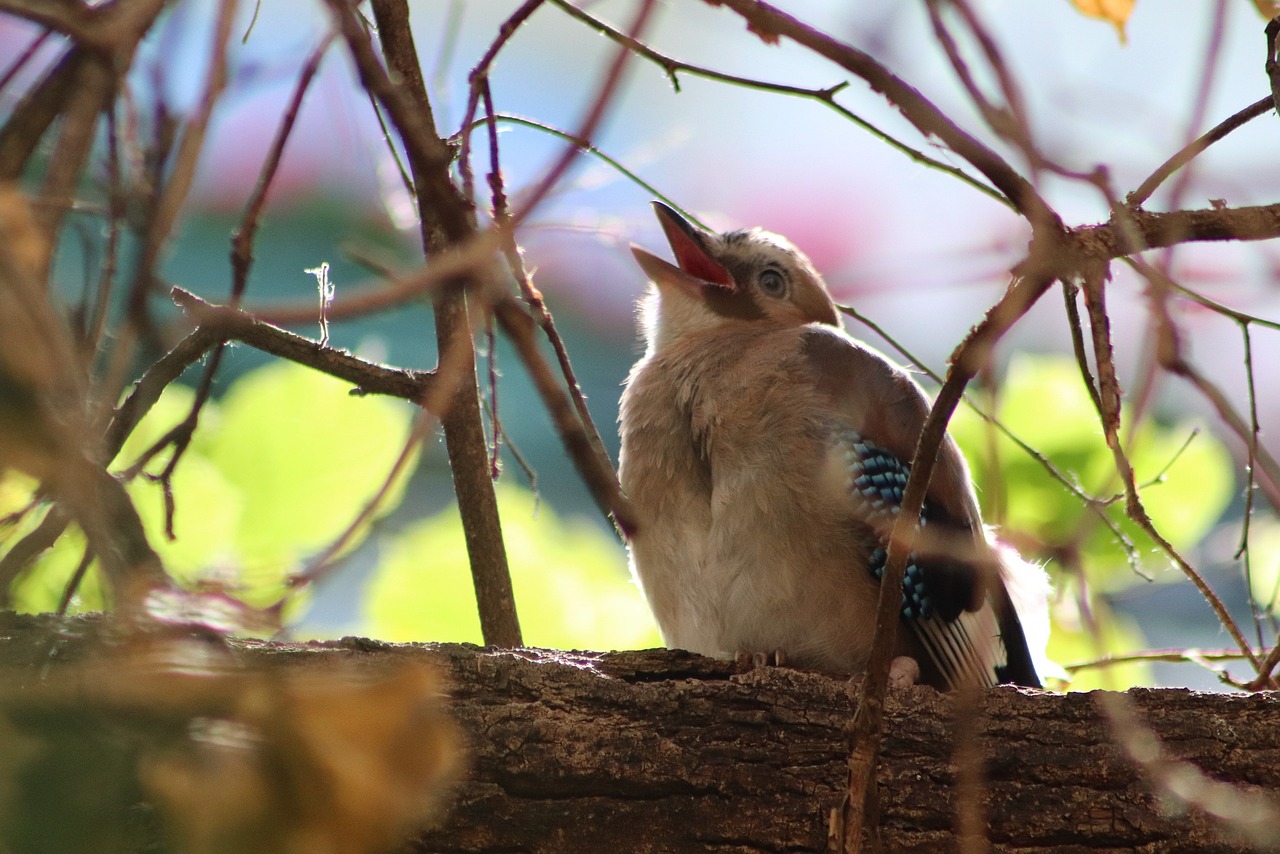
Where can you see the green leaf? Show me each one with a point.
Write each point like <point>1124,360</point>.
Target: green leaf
<point>1043,401</point>
<point>306,456</point>
<point>1071,643</point>
<point>40,588</point>
<point>207,507</point>
<point>1264,562</point>
<point>571,584</point>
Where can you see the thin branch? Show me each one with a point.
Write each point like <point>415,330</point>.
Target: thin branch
<point>95,84</point>
<point>771,23</point>
<point>1272,64</point>
<point>471,259</point>
<point>28,548</point>
<point>1220,308</point>
<point>1251,464</point>
<point>966,361</point>
<point>826,96</point>
<point>1265,679</point>
<point>320,565</point>
<point>36,111</point>
<point>1145,190</point>
<point>586,147</point>
<point>447,221</point>
<point>1187,655</point>
<point>1008,122</point>
<point>182,175</point>
<point>587,127</point>
<point>1109,414</point>
<point>228,323</point>
<point>21,60</point>
<point>242,238</point>
<point>478,81</point>
<point>601,468</point>
<point>1267,467</point>
<point>1199,107</point>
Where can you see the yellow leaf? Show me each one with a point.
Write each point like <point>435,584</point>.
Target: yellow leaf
<point>1267,8</point>
<point>1115,11</point>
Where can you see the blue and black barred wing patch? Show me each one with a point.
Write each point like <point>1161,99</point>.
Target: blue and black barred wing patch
<point>934,585</point>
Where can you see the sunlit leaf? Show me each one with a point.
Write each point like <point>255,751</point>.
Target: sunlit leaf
<point>306,456</point>
<point>1071,643</point>
<point>1193,492</point>
<point>207,507</point>
<point>1267,8</point>
<point>1264,562</point>
<point>40,587</point>
<point>1117,12</point>
<point>1043,401</point>
<point>571,583</point>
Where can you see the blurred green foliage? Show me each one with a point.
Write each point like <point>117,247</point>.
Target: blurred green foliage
<point>276,470</point>
<point>1264,564</point>
<point>572,589</point>
<point>1185,481</point>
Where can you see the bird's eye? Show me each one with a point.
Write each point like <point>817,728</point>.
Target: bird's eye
<point>772,283</point>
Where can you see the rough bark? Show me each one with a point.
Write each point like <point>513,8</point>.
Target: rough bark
<point>665,751</point>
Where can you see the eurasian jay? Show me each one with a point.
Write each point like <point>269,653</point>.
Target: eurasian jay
<point>766,452</point>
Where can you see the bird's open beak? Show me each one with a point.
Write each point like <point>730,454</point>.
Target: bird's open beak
<point>697,270</point>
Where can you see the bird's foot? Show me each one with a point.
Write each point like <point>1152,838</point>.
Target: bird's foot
<point>753,660</point>
<point>903,673</point>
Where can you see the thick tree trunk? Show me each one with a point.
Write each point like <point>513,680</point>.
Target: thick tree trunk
<point>661,751</point>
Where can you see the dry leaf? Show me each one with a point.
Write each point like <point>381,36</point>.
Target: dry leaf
<point>1267,8</point>
<point>333,759</point>
<point>1115,11</point>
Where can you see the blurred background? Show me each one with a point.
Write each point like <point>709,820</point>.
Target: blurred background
<point>920,253</point>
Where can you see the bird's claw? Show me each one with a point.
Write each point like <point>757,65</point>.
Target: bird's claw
<point>747,660</point>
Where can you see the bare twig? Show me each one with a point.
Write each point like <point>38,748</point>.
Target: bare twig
<point>1258,108</point>
<point>478,80</point>
<point>595,465</point>
<point>178,184</point>
<point>827,96</point>
<point>21,60</point>
<point>319,565</point>
<point>771,23</point>
<point>967,360</point>
<point>586,129</point>
<point>1189,655</point>
<point>1008,121</point>
<point>36,111</point>
<point>1199,105</point>
<point>1266,468</point>
<point>28,548</point>
<point>242,238</point>
<point>447,221</point>
<point>1109,413</point>
<point>1272,64</point>
<point>1265,679</point>
<point>229,323</point>
<point>586,147</point>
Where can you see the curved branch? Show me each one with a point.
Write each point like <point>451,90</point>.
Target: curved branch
<point>771,23</point>
<point>1260,107</point>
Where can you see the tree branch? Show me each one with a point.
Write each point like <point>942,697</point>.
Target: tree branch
<point>446,222</point>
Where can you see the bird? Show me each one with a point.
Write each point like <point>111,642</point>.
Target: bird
<point>766,450</point>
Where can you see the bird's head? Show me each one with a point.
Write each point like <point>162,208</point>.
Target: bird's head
<point>751,275</point>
